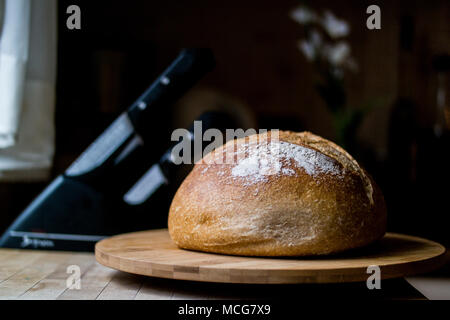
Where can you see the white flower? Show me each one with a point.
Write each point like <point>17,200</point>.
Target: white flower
<point>316,38</point>
<point>337,54</point>
<point>308,49</point>
<point>334,27</point>
<point>303,15</point>
<point>312,46</point>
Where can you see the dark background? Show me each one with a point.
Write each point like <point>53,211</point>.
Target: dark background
<point>264,79</point>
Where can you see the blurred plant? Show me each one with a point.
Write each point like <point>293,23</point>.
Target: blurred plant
<point>325,47</point>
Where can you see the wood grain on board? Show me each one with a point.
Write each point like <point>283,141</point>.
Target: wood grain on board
<point>152,253</point>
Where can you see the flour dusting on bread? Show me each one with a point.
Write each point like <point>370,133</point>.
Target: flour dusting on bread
<point>339,154</point>
<point>278,158</point>
<point>257,157</point>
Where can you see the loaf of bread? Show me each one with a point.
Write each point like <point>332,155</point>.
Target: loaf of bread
<point>296,195</point>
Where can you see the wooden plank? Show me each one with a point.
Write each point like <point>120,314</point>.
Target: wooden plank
<point>122,287</point>
<point>20,282</point>
<point>154,289</point>
<point>32,274</point>
<point>13,261</point>
<point>93,281</point>
<point>54,284</point>
<point>45,289</point>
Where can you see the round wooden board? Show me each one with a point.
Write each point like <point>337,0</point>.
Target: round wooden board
<point>152,253</point>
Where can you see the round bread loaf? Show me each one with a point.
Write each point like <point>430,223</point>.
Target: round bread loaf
<point>283,194</point>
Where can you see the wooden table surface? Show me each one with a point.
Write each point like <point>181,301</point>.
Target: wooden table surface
<point>42,275</point>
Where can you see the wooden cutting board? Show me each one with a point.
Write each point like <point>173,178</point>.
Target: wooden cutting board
<point>152,253</point>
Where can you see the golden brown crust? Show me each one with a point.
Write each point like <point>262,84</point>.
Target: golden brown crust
<point>315,200</point>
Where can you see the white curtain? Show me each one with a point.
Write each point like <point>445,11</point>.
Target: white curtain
<point>27,88</point>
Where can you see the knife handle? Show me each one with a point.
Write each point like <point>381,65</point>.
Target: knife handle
<point>187,69</point>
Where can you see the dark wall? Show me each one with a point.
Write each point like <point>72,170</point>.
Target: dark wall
<point>124,45</point>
